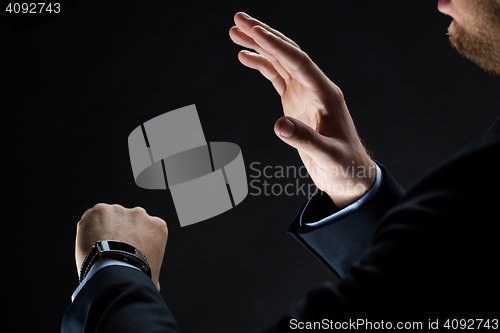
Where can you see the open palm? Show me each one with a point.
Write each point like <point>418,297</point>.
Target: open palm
<point>317,121</point>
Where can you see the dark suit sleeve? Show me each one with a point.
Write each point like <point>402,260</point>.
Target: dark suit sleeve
<point>119,299</point>
<point>342,243</point>
<point>430,254</point>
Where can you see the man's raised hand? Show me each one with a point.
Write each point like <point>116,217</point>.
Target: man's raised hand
<point>317,122</point>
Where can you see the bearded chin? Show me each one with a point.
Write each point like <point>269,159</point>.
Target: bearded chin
<point>478,48</point>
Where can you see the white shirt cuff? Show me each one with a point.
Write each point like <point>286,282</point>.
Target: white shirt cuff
<point>352,207</point>
<point>98,266</point>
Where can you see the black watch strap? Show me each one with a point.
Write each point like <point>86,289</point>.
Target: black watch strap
<point>114,250</point>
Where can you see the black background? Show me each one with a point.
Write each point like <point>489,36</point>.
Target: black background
<point>75,87</point>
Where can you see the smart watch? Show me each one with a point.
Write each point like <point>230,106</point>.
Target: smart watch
<point>115,250</point>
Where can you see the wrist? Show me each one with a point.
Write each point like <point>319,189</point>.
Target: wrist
<point>99,260</point>
<point>110,249</point>
<point>353,186</point>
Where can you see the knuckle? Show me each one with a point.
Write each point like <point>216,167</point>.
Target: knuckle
<point>117,208</point>
<point>160,225</point>
<point>139,211</point>
<point>338,92</point>
<point>305,56</point>
<point>98,209</point>
<point>306,59</point>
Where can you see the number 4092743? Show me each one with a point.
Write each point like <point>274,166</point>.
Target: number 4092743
<point>33,8</point>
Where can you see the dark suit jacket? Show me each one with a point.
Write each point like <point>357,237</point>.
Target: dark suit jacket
<point>430,253</point>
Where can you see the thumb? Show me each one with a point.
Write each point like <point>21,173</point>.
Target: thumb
<point>301,136</point>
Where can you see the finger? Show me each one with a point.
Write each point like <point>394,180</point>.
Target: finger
<point>264,66</point>
<point>240,38</point>
<point>293,60</point>
<point>245,23</point>
<point>302,137</point>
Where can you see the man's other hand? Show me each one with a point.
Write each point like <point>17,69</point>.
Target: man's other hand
<point>317,122</point>
<point>132,226</point>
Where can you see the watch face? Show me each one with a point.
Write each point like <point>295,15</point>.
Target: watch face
<point>121,246</point>
<point>117,246</point>
<point>114,245</point>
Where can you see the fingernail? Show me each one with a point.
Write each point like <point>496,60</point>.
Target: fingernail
<point>246,15</point>
<point>287,128</point>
